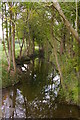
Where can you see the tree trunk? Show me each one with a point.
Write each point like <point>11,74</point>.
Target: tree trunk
<point>6,23</point>
<point>10,39</point>
<point>13,44</point>
<point>66,22</point>
<point>29,46</point>
<point>33,46</point>
<point>76,15</point>
<point>21,48</point>
<point>18,38</point>
<point>54,48</point>
<point>3,35</point>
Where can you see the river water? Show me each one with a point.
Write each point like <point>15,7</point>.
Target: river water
<point>37,95</point>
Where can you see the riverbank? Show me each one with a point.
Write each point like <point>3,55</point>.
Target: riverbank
<point>38,93</point>
<point>9,79</point>
<point>70,79</point>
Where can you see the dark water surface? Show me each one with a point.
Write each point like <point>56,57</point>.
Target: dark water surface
<point>37,96</point>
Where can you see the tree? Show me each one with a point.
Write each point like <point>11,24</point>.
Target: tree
<point>10,34</point>
<point>13,40</point>
<point>66,22</point>
<point>54,46</point>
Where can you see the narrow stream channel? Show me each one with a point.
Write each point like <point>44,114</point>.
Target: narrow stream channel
<point>37,96</point>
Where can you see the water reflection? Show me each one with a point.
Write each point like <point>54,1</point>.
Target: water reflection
<point>36,96</point>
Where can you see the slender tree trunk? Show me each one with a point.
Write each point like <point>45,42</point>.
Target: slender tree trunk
<point>18,39</point>
<point>33,46</point>
<point>55,49</point>
<point>29,47</point>
<point>3,35</point>
<point>13,43</point>
<point>21,48</point>
<point>76,15</point>
<point>26,46</point>
<point>61,47</point>
<point>27,22</point>
<point>66,22</point>
<point>6,23</point>
<point>10,38</point>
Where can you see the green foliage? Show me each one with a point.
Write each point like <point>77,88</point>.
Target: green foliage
<point>33,22</point>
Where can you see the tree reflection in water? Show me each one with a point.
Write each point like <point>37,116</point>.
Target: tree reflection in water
<point>37,94</point>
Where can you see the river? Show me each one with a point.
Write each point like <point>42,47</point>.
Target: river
<point>37,95</point>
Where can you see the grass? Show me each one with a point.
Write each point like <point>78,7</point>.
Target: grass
<point>7,79</point>
<point>69,70</point>
<point>70,77</point>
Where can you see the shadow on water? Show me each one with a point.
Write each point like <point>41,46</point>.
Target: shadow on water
<point>37,95</point>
